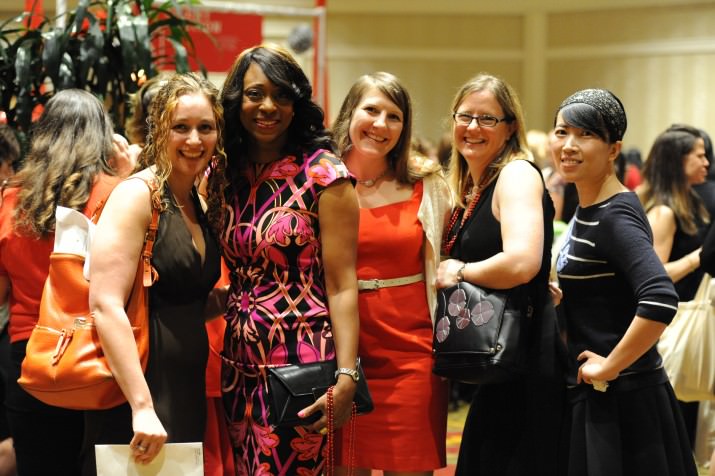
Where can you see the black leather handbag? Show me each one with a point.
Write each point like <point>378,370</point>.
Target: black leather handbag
<point>293,387</point>
<point>481,335</point>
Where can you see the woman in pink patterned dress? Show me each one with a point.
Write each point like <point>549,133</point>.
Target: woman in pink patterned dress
<point>289,234</point>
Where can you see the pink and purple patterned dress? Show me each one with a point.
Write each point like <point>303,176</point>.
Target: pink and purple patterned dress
<point>277,306</point>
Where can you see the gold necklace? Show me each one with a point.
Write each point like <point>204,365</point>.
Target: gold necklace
<point>372,182</point>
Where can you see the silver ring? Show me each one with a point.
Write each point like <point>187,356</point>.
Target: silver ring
<point>141,449</point>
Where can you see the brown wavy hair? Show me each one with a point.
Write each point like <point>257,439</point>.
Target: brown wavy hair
<point>399,158</point>
<point>664,180</point>
<point>69,146</point>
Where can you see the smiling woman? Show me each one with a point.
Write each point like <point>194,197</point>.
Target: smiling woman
<point>289,227</point>
<point>403,206</point>
<point>617,300</point>
<point>499,237</point>
<point>168,401</point>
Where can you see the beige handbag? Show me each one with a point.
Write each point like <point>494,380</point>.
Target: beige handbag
<point>688,346</point>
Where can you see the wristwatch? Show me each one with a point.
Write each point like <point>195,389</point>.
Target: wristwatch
<point>460,273</point>
<point>351,372</point>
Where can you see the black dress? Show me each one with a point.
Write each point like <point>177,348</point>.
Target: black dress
<point>178,344</point>
<point>609,273</point>
<point>516,428</point>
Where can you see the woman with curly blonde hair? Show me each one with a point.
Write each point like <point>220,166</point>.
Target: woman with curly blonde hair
<point>167,402</point>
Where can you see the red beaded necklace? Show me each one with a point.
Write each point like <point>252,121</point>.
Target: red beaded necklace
<point>452,233</point>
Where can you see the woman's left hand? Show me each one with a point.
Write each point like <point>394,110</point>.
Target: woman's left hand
<point>594,370</point>
<point>343,395</point>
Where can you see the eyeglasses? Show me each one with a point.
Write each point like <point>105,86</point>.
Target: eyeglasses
<point>464,119</point>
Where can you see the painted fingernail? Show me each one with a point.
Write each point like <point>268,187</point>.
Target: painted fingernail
<point>301,413</point>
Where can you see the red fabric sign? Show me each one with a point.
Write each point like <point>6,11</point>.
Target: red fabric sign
<point>224,37</point>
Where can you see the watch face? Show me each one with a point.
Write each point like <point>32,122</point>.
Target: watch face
<point>352,373</point>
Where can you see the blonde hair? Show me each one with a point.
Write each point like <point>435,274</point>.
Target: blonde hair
<point>516,146</point>
<point>160,119</point>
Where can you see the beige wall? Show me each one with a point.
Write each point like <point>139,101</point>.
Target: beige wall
<point>660,60</point>
<point>658,56</point>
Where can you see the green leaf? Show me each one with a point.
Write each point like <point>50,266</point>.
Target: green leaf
<point>181,59</point>
<point>80,14</point>
<point>23,108</point>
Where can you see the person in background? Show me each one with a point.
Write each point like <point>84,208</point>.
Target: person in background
<point>67,164</point>
<point>707,262</point>
<point>444,150</point>
<point>617,300</point>
<point>136,125</point>
<point>677,215</point>
<point>9,156</point>
<point>706,190</point>
<point>499,237</point>
<point>538,143</point>
<point>289,219</point>
<point>167,402</point>
<point>632,168</point>
<point>404,202</point>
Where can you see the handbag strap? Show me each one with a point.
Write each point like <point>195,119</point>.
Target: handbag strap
<point>149,273</point>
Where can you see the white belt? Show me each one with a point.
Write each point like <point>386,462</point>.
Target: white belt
<point>375,284</point>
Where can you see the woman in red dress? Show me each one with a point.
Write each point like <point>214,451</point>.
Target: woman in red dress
<point>403,205</point>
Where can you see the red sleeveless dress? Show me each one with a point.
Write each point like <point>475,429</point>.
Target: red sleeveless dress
<point>407,429</point>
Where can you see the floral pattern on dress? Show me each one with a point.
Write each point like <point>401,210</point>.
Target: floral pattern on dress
<point>277,306</point>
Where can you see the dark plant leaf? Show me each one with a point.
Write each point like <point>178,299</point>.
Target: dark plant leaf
<point>54,48</point>
<point>89,51</point>
<point>66,75</point>
<point>181,59</point>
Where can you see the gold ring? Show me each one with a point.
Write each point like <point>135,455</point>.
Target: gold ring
<point>141,449</point>
<point>323,431</point>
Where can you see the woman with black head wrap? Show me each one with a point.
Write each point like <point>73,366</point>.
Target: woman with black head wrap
<point>617,300</point>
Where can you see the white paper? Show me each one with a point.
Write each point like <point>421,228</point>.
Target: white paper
<point>73,234</point>
<point>185,459</point>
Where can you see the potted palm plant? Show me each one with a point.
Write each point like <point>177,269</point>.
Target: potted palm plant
<point>105,47</point>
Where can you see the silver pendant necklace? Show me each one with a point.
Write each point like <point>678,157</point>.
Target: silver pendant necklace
<point>372,182</point>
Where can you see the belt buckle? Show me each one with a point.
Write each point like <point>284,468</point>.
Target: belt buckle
<point>372,284</point>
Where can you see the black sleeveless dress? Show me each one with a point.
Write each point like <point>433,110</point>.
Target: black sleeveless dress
<point>516,428</point>
<point>178,344</point>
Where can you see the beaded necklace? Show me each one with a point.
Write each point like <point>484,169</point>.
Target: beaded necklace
<point>452,233</point>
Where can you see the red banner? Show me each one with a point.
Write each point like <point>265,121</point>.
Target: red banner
<point>225,36</point>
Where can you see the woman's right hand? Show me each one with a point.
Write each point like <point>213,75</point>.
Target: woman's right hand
<point>448,272</point>
<point>149,435</point>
